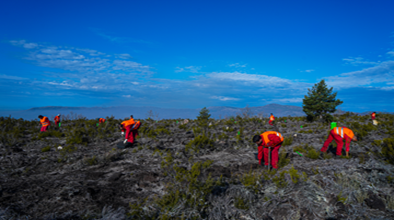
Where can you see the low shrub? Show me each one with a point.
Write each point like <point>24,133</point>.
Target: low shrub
<point>45,149</point>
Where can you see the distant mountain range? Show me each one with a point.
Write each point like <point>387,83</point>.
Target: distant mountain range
<point>161,113</point>
<point>158,113</point>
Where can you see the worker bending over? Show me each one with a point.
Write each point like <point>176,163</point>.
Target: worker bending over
<point>44,121</point>
<point>373,117</point>
<point>130,127</point>
<point>269,140</point>
<point>101,120</point>
<point>339,134</point>
<point>272,118</point>
<point>57,120</point>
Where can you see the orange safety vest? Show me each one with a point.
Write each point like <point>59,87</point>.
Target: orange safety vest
<point>341,131</point>
<point>272,118</point>
<point>44,121</point>
<point>101,120</point>
<point>128,122</point>
<point>265,136</point>
<point>137,125</point>
<point>57,118</point>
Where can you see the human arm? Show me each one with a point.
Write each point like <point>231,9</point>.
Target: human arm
<point>274,140</point>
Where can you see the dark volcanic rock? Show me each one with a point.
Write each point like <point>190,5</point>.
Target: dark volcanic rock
<point>375,202</point>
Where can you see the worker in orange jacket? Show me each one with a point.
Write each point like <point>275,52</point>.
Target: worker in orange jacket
<point>101,120</point>
<point>44,121</point>
<point>272,118</point>
<point>131,128</point>
<point>269,140</point>
<point>339,134</point>
<point>57,120</point>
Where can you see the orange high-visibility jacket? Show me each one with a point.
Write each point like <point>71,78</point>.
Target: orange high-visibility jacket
<point>265,136</point>
<point>44,121</point>
<point>342,131</point>
<point>136,125</point>
<point>128,122</point>
<point>101,120</point>
<point>56,119</point>
<point>272,118</point>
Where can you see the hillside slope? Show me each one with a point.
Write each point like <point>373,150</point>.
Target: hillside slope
<point>177,172</point>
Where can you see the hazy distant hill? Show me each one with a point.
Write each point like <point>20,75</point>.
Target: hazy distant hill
<point>142,112</point>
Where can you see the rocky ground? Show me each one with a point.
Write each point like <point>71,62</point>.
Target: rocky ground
<point>198,170</point>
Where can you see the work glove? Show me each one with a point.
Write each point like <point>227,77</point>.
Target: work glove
<point>122,132</point>
<point>125,141</point>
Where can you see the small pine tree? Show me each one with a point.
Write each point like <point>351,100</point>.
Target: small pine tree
<point>320,101</point>
<point>203,117</point>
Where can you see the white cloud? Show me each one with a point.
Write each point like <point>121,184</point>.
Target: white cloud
<point>124,56</point>
<point>307,71</point>
<point>382,73</point>
<point>237,65</point>
<point>126,96</point>
<point>288,100</point>
<point>255,79</point>
<point>3,76</point>
<point>390,53</point>
<point>191,69</point>
<point>223,98</point>
<point>356,61</point>
<point>23,44</point>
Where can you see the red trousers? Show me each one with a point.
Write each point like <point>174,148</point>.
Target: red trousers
<point>131,134</point>
<point>57,123</point>
<point>274,155</point>
<point>270,122</point>
<point>44,129</point>
<point>338,139</point>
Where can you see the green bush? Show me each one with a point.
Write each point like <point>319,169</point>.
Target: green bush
<point>313,154</point>
<point>388,149</point>
<point>287,141</point>
<point>199,142</point>
<point>45,149</point>
<point>251,181</point>
<point>240,203</point>
<point>91,161</point>
<point>283,160</point>
<point>50,133</point>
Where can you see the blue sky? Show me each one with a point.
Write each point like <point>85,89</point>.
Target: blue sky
<point>191,54</point>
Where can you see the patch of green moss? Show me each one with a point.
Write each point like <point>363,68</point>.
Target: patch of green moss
<point>340,198</point>
<point>240,203</point>
<point>45,149</point>
<point>91,161</point>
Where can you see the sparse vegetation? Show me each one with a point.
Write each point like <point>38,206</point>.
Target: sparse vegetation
<point>188,171</point>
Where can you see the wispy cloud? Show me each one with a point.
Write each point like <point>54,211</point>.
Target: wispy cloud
<point>382,73</point>
<point>118,39</point>
<point>124,56</point>
<point>288,100</point>
<point>223,98</point>
<point>24,44</point>
<point>307,71</point>
<point>191,69</point>
<point>357,61</point>
<point>237,65</point>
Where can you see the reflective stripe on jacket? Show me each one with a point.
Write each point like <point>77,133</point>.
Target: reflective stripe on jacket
<point>342,131</point>
<point>44,121</point>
